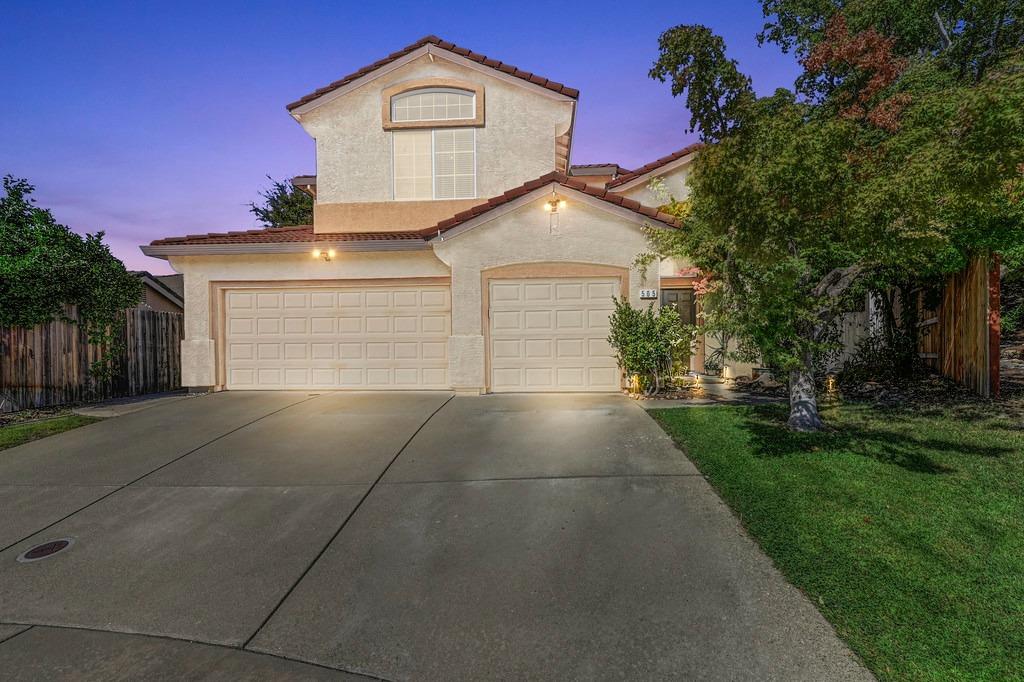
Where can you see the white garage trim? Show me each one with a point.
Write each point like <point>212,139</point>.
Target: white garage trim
<point>545,327</point>
<point>342,335</point>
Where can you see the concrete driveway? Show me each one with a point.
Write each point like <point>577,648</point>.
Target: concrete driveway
<point>398,536</point>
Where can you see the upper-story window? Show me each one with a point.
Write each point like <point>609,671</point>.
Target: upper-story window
<point>433,104</point>
<point>433,125</point>
<point>434,164</point>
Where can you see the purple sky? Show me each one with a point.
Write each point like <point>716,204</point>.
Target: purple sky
<point>152,120</point>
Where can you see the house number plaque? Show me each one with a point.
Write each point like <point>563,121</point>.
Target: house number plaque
<point>648,294</point>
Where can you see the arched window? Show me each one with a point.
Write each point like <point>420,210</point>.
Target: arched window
<point>433,104</point>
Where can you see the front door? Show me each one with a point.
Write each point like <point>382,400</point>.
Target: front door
<point>685,302</point>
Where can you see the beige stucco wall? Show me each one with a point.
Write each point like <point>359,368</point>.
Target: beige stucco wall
<point>675,184</point>
<point>584,235</point>
<point>197,348</point>
<point>516,144</point>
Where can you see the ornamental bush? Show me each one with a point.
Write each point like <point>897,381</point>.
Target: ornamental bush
<point>44,266</point>
<point>645,340</point>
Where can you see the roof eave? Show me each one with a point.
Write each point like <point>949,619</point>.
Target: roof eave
<point>166,250</point>
<point>538,192</point>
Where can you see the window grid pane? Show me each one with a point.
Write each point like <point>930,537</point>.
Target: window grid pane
<point>455,163</point>
<point>412,164</point>
<point>433,106</point>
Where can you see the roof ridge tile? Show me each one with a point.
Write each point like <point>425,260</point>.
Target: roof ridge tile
<point>444,45</point>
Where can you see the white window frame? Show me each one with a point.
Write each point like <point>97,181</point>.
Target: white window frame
<point>429,91</point>
<point>433,169</point>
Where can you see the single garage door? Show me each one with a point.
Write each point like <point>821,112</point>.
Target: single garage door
<point>551,335</point>
<point>338,338</point>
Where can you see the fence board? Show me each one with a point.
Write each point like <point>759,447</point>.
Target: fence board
<point>957,338</point>
<point>50,364</point>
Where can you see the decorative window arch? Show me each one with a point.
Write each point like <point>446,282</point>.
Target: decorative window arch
<point>432,103</point>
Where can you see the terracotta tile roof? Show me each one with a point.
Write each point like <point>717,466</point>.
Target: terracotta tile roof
<point>444,45</point>
<point>561,179</point>
<point>279,235</point>
<point>305,234</point>
<point>655,165</point>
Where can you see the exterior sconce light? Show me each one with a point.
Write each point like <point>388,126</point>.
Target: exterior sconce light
<point>325,256</point>
<point>551,207</point>
<point>553,204</point>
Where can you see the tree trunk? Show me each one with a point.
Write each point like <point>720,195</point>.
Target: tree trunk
<point>803,405</point>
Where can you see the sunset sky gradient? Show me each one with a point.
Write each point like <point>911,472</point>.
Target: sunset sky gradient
<point>147,120</point>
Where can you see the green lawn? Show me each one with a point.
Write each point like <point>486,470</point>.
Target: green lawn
<point>16,434</point>
<point>906,529</point>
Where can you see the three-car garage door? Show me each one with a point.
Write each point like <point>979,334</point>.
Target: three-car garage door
<point>551,335</point>
<point>337,338</point>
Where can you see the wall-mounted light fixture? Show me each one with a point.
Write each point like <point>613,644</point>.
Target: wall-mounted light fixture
<point>553,204</point>
<point>323,255</point>
<point>551,207</point>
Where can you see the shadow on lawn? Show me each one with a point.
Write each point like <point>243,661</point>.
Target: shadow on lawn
<point>769,437</point>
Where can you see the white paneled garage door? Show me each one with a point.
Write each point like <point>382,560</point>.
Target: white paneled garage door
<point>338,338</point>
<point>551,335</point>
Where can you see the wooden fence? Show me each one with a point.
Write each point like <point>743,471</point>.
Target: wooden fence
<point>960,337</point>
<point>50,364</point>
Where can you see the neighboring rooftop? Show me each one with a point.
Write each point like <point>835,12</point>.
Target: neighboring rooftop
<point>554,86</point>
<point>171,287</point>
<point>646,169</point>
<point>581,169</point>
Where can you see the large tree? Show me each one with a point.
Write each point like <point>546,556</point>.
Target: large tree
<point>282,205</point>
<point>44,267</point>
<point>885,165</point>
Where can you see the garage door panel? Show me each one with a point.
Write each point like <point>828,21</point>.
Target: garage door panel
<point>538,377</point>
<point>266,326</point>
<point>536,293</point>
<point>569,292</point>
<point>537,319</point>
<point>538,348</point>
<point>551,335</point>
<point>346,338</point>
<point>321,351</point>
<point>268,301</point>
<point>570,348</point>
<point>268,351</point>
<point>436,324</point>
<point>240,301</point>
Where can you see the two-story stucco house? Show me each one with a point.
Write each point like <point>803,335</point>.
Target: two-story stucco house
<point>453,245</point>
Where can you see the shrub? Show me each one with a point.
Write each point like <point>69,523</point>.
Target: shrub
<point>645,340</point>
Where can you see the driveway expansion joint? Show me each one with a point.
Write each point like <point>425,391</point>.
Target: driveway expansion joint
<point>344,523</point>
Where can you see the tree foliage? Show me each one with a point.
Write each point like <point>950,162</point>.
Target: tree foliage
<point>965,38</point>
<point>886,166</point>
<point>693,59</point>
<point>44,266</point>
<point>283,204</point>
